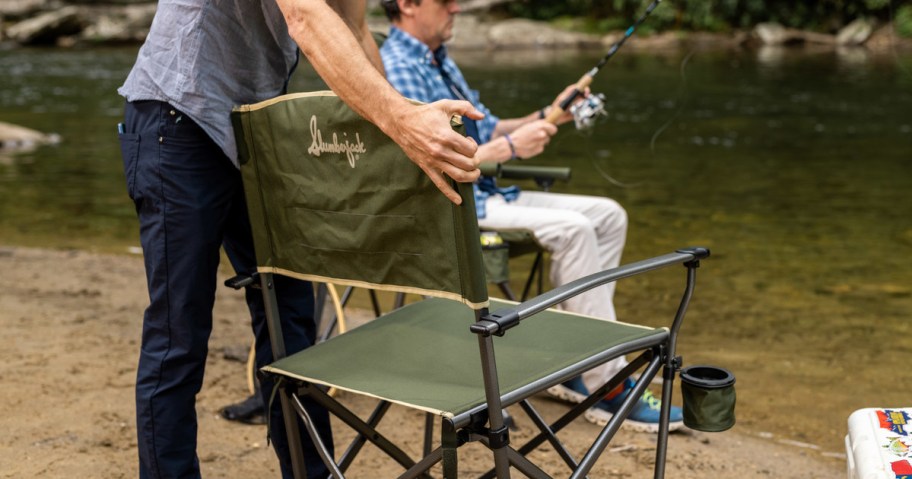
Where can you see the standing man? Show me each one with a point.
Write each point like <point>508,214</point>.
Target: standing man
<point>584,234</point>
<point>200,59</point>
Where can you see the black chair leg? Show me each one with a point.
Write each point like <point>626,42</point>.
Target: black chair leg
<point>506,290</point>
<point>538,268</point>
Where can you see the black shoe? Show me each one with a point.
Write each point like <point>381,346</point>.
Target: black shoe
<point>249,411</point>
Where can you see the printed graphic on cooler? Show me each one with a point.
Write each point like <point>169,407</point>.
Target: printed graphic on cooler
<point>902,469</point>
<point>896,421</point>
<point>898,446</point>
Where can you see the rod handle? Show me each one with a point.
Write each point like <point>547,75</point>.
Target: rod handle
<point>554,114</point>
<point>584,82</point>
<point>565,103</point>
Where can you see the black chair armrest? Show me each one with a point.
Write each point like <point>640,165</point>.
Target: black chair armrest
<point>521,172</point>
<point>501,320</point>
<point>544,176</point>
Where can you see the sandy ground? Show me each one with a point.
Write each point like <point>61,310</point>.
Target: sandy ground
<point>71,326</point>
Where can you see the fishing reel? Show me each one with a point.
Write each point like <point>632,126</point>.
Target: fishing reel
<point>586,112</point>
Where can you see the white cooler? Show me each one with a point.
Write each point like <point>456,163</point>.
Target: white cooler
<point>879,444</point>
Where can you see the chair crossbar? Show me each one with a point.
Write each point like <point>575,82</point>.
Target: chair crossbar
<point>537,271</point>
<point>365,429</point>
<point>614,424</point>
<point>315,436</point>
<point>420,469</point>
<point>358,442</point>
<point>549,432</point>
<point>525,466</point>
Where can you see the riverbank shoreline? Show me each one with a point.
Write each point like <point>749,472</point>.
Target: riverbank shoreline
<point>65,24</point>
<point>73,321</point>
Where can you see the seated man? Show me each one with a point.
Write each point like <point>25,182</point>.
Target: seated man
<point>584,234</point>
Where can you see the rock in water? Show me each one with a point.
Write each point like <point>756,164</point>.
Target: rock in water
<point>18,137</point>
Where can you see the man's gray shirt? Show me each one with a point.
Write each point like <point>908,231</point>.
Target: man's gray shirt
<point>205,57</point>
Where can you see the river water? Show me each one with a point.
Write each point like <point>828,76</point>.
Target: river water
<point>793,166</point>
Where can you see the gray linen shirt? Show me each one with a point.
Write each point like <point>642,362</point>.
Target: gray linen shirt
<point>205,57</point>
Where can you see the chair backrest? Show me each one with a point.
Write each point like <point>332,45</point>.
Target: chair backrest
<point>333,199</point>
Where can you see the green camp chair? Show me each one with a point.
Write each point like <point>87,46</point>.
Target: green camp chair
<point>332,199</point>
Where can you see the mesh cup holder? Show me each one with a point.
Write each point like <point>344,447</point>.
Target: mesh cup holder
<point>709,398</point>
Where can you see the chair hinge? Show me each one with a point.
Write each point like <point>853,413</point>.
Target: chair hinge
<point>669,372</point>
<point>244,281</point>
<point>499,438</point>
<point>496,323</point>
<point>485,327</point>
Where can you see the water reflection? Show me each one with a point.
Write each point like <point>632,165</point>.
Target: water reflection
<point>797,174</point>
<point>793,166</point>
<point>770,57</point>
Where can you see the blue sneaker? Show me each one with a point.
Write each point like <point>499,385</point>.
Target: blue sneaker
<point>645,414</point>
<point>643,418</point>
<point>572,391</point>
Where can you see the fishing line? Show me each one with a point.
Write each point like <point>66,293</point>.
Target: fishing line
<point>595,161</point>
<point>682,101</point>
<point>587,134</point>
<point>586,80</point>
<point>611,179</point>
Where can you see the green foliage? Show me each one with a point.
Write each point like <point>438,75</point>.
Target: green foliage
<point>661,18</point>
<point>903,21</point>
<point>701,15</point>
<point>718,15</point>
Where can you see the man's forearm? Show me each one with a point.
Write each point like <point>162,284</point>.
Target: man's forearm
<point>339,57</point>
<point>354,14</point>
<point>510,124</point>
<point>494,151</point>
<point>369,46</point>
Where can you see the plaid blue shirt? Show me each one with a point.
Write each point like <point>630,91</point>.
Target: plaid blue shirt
<point>412,68</point>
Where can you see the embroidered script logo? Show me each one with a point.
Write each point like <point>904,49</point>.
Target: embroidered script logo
<point>353,150</point>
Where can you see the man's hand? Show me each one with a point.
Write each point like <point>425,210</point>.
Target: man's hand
<point>423,132</point>
<point>531,138</point>
<point>425,135</point>
<point>566,115</point>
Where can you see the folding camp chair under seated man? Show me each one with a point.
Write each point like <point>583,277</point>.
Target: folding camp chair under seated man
<point>500,245</point>
<point>332,199</point>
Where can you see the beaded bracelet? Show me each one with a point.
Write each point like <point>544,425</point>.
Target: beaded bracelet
<point>512,148</point>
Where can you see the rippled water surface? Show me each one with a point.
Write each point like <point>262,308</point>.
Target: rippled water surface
<point>794,167</point>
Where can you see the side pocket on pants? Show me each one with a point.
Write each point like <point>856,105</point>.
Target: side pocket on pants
<point>129,149</point>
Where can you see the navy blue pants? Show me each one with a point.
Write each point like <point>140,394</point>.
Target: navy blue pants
<point>190,202</point>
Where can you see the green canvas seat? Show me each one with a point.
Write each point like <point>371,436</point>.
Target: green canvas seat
<point>332,199</point>
<point>421,339</point>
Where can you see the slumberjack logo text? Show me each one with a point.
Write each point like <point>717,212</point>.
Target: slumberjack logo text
<point>352,149</point>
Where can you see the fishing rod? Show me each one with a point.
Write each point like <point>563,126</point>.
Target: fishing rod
<point>586,79</point>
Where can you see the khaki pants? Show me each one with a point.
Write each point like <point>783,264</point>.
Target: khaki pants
<point>584,235</point>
